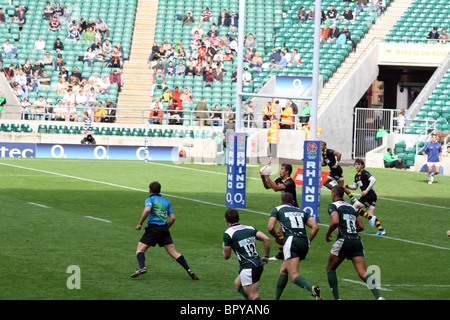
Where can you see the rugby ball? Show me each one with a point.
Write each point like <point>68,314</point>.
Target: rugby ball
<point>265,171</point>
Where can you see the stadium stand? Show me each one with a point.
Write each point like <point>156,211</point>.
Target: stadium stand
<point>117,14</point>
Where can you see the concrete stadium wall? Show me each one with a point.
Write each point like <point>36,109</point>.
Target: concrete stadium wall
<point>336,118</point>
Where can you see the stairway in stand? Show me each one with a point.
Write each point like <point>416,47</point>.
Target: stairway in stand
<point>376,34</point>
<point>138,78</point>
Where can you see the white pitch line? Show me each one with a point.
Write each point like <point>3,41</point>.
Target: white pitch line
<point>194,200</point>
<point>107,221</point>
<point>39,205</point>
<point>362,283</point>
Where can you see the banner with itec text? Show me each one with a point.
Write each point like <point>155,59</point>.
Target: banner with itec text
<point>311,178</point>
<point>236,169</point>
<point>72,151</point>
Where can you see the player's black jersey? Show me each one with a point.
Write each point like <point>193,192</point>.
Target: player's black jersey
<point>329,157</point>
<point>290,187</point>
<point>362,179</point>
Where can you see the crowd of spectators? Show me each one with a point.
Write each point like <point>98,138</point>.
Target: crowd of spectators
<point>73,88</point>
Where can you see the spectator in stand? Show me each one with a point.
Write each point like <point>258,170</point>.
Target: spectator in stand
<point>217,75</point>
<point>9,72</point>
<point>58,11</point>
<point>2,16</point>
<point>89,56</point>
<point>348,15</point>
<point>361,5</point>
<point>154,54</point>
<point>59,63</point>
<point>111,112</point>
<point>295,57</point>
<point>246,76</point>
<point>100,112</point>
<point>107,47</point>
<point>39,109</point>
<point>207,16</point>
<point>156,115</point>
<point>334,33</point>
<point>48,11</point>
<point>35,82</point>
<point>60,112</point>
<point>166,96</point>
<point>186,97</point>
<point>66,14</point>
<point>176,94</point>
<point>201,111</point>
<point>69,103</point>
<point>233,20</point>
<point>104,85</point>
<point>39,44</point>
<point>158,80</point>
<point>54,25</point>
<point>302,15</point>
<point>275,57</point>
<point>311,14</point>
<point>102,27</point>
<point>257,62</point>
<point>332,15</point>
<point>180,69</point>
<point>45,80</point>
<point>62,86</point>
<point>74,35</point>
<point>170,69</point>
<point>58,46</point>
<point>443,37</point>
<point>25,109</point>
<point>159,66</point>
<point>21,79</point>
<point>20,18</point>
<point>391,161</point>
<point>115,78</point>
<point>305,114</point>
<point>249,115</point>
<point>89,35</point>
<point>433,35</point>
<point>282,63</point>
<point>216,117</point>
<point>48,60</point>
<point>9,49</point>
<point>379,5</point>
<point>224,19</point>
<point>188,19</point>
<point>250,41</point>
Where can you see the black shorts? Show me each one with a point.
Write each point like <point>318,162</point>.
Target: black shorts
<point>348,248</point>
<point>336,174</point>
<point>156,234</point>
<point>369,199</point>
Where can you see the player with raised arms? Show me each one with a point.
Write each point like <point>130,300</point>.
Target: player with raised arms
<point>284,183</point>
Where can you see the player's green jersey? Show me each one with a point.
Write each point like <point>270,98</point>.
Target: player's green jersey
<point>347,219</point>
<point>292,220</point>
<point>242,239</point>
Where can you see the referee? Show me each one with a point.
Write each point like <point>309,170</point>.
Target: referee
<point>160,218</point>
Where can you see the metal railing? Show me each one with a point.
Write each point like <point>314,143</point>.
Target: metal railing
<point>142,116</point>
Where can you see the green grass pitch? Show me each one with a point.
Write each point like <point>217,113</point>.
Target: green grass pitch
<point>47,220</point>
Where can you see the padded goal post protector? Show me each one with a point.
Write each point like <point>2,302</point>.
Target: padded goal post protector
<point>312,159</point>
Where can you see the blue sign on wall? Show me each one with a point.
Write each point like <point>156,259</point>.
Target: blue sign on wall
<point>236,169</point>
<point>17,150</point>
<point>311,178</point>
<point>78,151</point>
